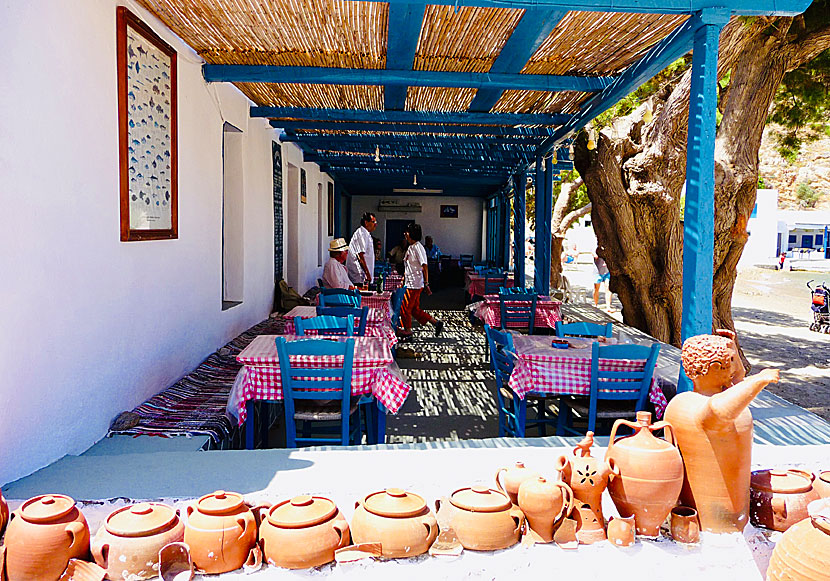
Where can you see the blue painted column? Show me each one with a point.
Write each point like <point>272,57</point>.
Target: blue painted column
<point>699,223</point>
<point>338,208</point>
<point>505,233</point>
<point>519,210</point>
<point>544,212</point>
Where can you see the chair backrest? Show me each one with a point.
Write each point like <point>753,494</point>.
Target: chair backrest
<point>518,310</point>
<point>395,303</point>
<point>361,316</point>
<point>493,281</point>
<point>317,379</point>
<point>338,297</point>
<point>325,325</point>
<point>466,260</point>
<point>584,329</point>
<point>320,284</point>
<point>501,348</point>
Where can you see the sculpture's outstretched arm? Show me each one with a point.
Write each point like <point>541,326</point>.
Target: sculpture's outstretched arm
<point>728,404</point>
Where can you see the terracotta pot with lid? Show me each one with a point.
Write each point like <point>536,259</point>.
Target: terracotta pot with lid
<point>779,498</point>
<point>42,536</point>
<point>822,484</point>
<point>397,519</point>
<point>484,519</point>
<point>513,478</point>
<point>129,541</point>
<point>221,532</point>
<point>803,552</point>
<point>303,532</point>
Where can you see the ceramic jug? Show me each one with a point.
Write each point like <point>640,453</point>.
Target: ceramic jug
<point>221,532</point>
<point>651,473</point>
<point>621,531</point>
<point>545,504</point>
<point>42,536</point>
<point>4,513</point>
<point>484,519</point>
<point>397,519</point>
<point>513,478</point>
<point>803,551</point>
<point>128,543</point>
<point>684,525</point>
<point>779,498</point>
<point>587,477</point>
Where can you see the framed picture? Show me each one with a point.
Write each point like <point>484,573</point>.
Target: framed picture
<point>303,192</point>
<point>147,122</point>
<point>330,199</point>
<point>449,211</point>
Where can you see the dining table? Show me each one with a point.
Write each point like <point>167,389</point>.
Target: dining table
<point>372,299</point>
<point>377,325</point>
<point>474,283</point>
<point>392,281</point>
<point>374,374</point>
<point>548,311</point>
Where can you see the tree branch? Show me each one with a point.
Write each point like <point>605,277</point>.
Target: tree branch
<point>569,219</point>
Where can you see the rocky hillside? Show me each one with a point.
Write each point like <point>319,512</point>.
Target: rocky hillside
<point>812,166</point>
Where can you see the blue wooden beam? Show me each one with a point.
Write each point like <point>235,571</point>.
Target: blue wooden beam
<point>532,30</point>
<point>387,77</point>
<point>370,116</point>
<point>441,153</point>
<point>519,211</point>
<point>463,176</point>
<point>403,31</point>
<point>411,128</point>
<point>437,140</point>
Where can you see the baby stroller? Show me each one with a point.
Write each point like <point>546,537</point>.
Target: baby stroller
<point>821,308</point>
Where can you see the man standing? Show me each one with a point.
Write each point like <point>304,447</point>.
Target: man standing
<point>361,261</point>
<point>334,273</point>
<point>416,278</point>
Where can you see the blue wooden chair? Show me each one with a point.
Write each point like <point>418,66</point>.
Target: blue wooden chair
<point>466,260</point>
<point>493,281</point>
<point>338,297</point>
<point>396,302</point>
<point>318,392</point>
<point>583,329</point>
<point>614,394</point>
<point>325,325</point>
<point>361,316</point>
<point>518,310</point>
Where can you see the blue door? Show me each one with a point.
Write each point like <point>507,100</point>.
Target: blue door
<point>807,241</point>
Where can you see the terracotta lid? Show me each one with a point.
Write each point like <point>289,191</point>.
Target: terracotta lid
<point>140,520</point>
<point>219,503</point>
<point>480,499</point>
<point>785,481</point>
<point>47,507</point>
<point>819,511</point>
<point>394,502</point>
<point>301,511</point>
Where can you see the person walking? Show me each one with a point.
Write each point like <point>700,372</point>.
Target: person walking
<point>416,279</point>
<point>602,280</point>
<point>361,260</point>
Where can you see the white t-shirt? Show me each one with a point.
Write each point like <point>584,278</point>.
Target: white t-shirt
<point>413,274</point>
<point>335,275</point>
<point>361,242</point>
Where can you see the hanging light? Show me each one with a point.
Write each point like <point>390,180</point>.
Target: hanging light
<point>592,140</point>
<point>571,152</point>
<point>553,159</point>
<point>648,116</point>
<point>377,154</point>
<point>414,179</point>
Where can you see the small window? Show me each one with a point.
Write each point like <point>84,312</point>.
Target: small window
<point>819,239</point>
<point>807,241</point>
<point>793,239</point>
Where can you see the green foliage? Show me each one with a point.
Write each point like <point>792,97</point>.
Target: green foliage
<point>807,195</point>
<point>762,185</point>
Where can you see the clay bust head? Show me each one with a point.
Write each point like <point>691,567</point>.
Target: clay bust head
<point>711,361</point>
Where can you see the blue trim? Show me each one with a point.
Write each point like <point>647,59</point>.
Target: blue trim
<point>544,211</point>
<point>519,211</point>
<point>439,140</point>
<point>505,245</point>
<point>411,128</point>
<point>403,31</point>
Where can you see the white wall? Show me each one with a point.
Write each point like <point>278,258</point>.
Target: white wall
<point>92,326</point>
<point>453,235</point>
<point>762,243</point>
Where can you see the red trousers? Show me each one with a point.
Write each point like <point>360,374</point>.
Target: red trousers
<point>411,307</point>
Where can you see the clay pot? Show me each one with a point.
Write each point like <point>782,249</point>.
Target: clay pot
<point>41,537</point>
<point>803,552</point>
<point>544,505</point>
<point>684,525</point>
<point>303,532</point>
<point>484,519</point>
<point>588,477</point>
<point>175,563</point>
<point>822,484</point>
<point>779,498</point>
<point>221,532</point>
<point>513,478</point>
<point>4,513</point>
<point>399,520</point>
<point>651,473</point>
<point>621,531</point>
<point>129,541</point>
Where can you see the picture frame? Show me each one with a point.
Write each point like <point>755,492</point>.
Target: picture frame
<point>147,131</point>
<point>303,191</point>
<point>449,210</point>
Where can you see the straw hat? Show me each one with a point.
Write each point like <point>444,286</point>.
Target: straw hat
<point>337,245</point>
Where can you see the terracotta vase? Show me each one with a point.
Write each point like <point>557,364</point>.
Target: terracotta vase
<point>4,513</point>
<point>221,532</point>
<point>303,532</point>
<point>621,531</point>
<point>544,505</point>
<point>779,498</point>
<point>803,552</point>
<point>42,536</point>
<point>513,478</point>
<point>651,473</point>
<point>397,519</point>
<point>587,477</point>
<point>822,484</point>
<point>128,543</point>
<point>484,519</point>
<point>684,525</point>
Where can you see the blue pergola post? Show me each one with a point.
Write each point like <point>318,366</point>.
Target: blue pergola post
<point>505,231</point>
<point>699,222</point>
<point>544,211</point>
<point>519,209</point>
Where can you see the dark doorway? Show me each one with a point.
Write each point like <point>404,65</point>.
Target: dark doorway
<point>394,232</point>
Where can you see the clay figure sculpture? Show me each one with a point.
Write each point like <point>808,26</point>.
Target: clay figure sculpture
<point>803,552</point>
<point>513,478</point>
<point>713,427</point>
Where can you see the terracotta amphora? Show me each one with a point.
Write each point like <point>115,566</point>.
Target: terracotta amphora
<point>4,513</point>
<point>303,532</point>
<point>651,473</point>
<point>684,525</point>
<point>545,504</point>
<point>484,519</point>
<point>621,531</point>
<point>779,498</point>
<point>399,520</point>
<point>822,484</point>
<point>128,543</point>
<point>42,536</point>
<point>713,429</point>
<point>803,551</point>
<point>221,532</point>
<point>587,477</point>
<point>513,478</point>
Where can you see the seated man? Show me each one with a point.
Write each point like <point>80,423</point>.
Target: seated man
<point>433,252</point>
<point>335,274</point>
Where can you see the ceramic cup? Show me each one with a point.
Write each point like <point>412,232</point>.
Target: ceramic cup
<point>684,525</point>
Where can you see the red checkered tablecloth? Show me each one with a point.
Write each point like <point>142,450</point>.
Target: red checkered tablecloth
<point>540,368</point>
<point>378,324</point>
<point>374,372</point>
<point>375,301</point>
<point>547,312</point>
<point>474,283</point>
<point>392,281</point>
